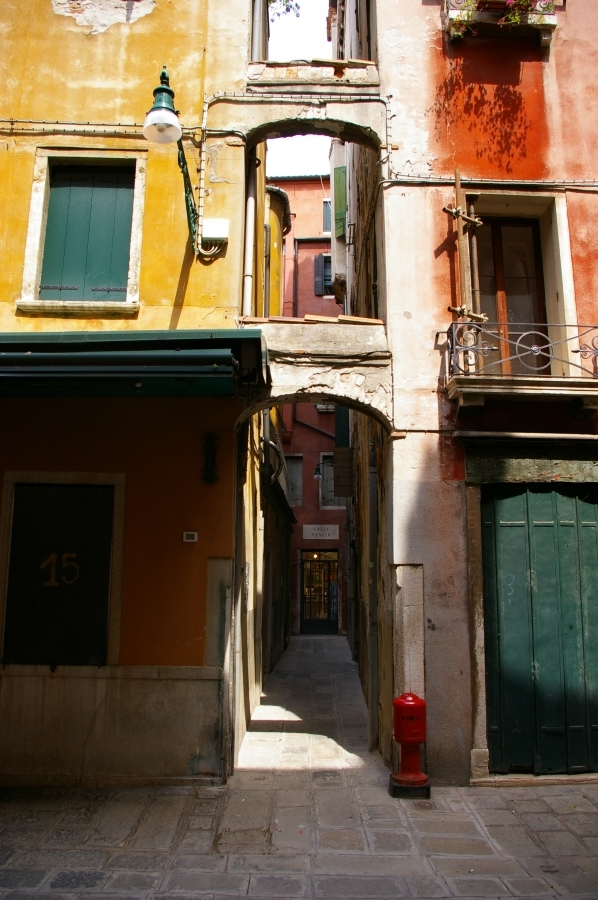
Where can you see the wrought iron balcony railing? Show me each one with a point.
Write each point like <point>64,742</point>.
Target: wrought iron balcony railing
<point>509,349</point>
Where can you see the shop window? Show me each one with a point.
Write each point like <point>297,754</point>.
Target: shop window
<point>295,482</point>
<point>59,575</point>
<point>327,496</point>
<point>88,233</point>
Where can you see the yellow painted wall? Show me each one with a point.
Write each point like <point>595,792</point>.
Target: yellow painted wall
<point>57,70</point>
<point>276,259</point>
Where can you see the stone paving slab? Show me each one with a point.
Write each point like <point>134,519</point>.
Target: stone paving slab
<point>307,815</point>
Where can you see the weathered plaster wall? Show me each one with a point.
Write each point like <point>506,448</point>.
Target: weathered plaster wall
<point>81,725</point>
<point>101,14</point>
<point>85,75</point>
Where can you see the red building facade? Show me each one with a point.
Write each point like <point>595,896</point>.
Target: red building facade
<point>319,543</point>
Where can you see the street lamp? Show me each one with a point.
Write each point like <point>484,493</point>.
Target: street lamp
<point>208,237</point>
<point>162,124</point>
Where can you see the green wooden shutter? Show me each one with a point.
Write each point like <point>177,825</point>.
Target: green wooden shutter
<point>88,233</point>
<point>340,200</point>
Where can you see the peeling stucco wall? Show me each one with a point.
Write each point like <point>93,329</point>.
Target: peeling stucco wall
<point>101,14</point>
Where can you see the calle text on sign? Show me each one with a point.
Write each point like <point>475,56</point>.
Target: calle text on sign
<point>320,532</point>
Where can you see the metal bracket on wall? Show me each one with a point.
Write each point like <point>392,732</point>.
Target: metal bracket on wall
<point>457,213</point>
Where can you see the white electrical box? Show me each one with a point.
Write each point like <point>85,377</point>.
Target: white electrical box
<point>189,537</point>
<point>215,230</point>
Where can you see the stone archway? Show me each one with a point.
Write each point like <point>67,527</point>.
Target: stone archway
<point>346,363</point>
<point>340,98</point>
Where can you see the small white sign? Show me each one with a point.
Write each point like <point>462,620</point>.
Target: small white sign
<point>320,532</point>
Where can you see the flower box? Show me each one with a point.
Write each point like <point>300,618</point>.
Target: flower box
<point>465,17</point>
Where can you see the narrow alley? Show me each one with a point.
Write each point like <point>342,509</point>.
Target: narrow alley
<point>307,814</point>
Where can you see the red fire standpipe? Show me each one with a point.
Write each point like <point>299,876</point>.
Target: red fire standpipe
<point>409,728</point>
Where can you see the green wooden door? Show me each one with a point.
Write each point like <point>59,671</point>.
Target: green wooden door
<point>540,553</point>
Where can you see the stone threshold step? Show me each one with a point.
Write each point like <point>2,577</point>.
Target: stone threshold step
<point>532,780</point>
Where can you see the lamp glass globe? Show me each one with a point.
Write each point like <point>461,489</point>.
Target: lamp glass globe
<point>162,126</point>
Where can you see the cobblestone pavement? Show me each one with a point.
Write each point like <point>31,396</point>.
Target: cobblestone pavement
<point>306,815</point>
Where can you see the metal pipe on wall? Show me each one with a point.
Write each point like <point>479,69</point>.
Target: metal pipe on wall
<point>464,279</point>
<point>475,271</point>
<point>247,306</point>
<point>267,240</point>
<point>257,30</point>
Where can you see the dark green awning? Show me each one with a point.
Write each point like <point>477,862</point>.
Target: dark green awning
<point>201,363</point>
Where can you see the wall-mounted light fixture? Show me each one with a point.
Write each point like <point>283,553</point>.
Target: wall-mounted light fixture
<point>162,126</point>
<point>318,472</point>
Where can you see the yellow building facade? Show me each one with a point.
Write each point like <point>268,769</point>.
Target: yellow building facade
<point>126,482</point>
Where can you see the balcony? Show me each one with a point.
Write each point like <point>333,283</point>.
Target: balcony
<point>557,363</point>
<point>471,17</point>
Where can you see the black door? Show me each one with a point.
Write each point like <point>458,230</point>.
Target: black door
<point>59,575</point>
<point>320,588</point>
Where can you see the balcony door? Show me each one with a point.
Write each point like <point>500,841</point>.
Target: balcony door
<point>512,294</point>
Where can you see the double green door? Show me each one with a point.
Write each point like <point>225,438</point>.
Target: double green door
<point>540,552</point>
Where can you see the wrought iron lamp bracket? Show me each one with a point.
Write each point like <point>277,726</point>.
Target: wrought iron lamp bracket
<point>192,213</point>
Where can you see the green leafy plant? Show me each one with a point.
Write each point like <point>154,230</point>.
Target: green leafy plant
<point>516,12</point>
<point>278,8</point>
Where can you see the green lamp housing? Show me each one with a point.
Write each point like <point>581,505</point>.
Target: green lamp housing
<point>161,124</point>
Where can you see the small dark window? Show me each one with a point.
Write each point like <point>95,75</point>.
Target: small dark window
<point>322,274</point>
<point>88,233</point>
<point>59,575</point>
<point>327,216</point>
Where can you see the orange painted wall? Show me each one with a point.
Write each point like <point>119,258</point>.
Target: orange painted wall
<point>157,443</point>
<point>488,115</point>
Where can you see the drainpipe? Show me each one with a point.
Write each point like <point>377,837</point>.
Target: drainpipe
<point>373,607</point>
<point>464,275</point>
<point>257,29</point>
<point>267,236</point>
<point>296,279</point>
<point>475,271</point>
<point>249,238</point>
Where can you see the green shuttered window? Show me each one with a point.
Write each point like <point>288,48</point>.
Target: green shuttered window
<point>340,200</point>
<point>88,233</point>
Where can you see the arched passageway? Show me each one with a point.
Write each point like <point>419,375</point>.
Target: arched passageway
<point>344,363</point>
